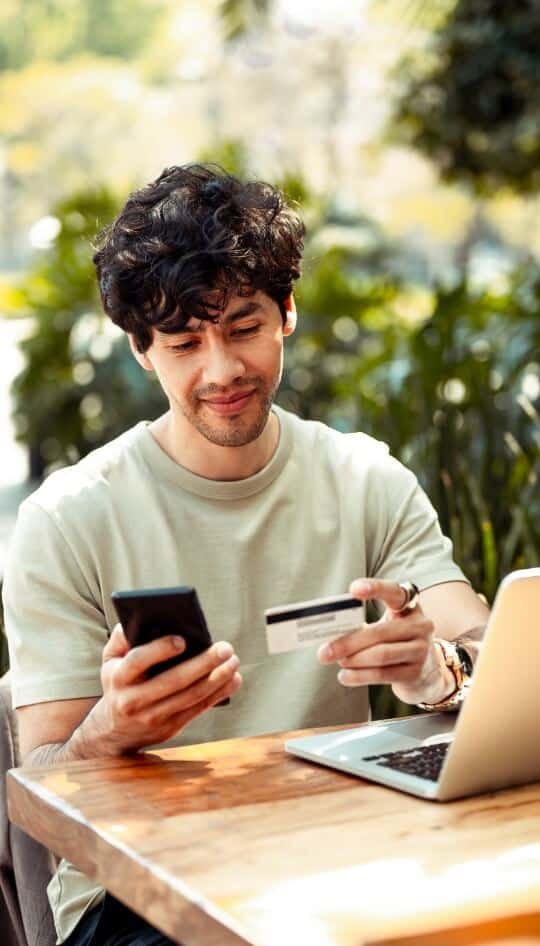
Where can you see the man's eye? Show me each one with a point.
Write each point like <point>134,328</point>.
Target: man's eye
<point>185,346</point>
<point>246,331</point>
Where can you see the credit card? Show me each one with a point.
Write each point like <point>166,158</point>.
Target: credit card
<point>306,623</point>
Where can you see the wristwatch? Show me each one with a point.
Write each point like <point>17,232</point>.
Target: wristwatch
<point>459,662</point>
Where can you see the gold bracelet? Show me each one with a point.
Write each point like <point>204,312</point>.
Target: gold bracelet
<point>462,680</point>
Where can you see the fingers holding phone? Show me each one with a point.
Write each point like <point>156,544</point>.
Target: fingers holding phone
<point>153,688</point>
<point>181,685</point>
<point>141,659</point>
<point>198,684</point>
<point>152,613</point>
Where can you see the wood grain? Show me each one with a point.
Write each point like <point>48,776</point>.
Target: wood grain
<point>237,842</point>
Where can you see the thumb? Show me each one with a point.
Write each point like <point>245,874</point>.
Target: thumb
<point>117,645</point>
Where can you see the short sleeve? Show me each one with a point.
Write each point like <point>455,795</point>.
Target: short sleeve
<point>55,628</point>
<point>411,545</point>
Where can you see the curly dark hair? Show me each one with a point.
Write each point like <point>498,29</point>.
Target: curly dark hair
<point>195,230</point>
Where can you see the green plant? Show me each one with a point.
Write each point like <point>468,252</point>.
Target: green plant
<point>80,386</point>
<point>452,393</point>
<point>473,103</point>
<point>32,30</point>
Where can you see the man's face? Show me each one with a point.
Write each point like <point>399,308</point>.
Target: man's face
<point>221,378</point>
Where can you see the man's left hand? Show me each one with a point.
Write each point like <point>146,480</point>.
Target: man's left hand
<point>398,649</point>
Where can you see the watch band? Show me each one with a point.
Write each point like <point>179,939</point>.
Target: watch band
<point>460,666</point>
<point>466,659</point>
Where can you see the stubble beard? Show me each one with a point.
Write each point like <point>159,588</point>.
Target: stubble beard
<point>233,430</point>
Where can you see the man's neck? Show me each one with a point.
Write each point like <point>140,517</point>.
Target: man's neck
<point>191,450</point>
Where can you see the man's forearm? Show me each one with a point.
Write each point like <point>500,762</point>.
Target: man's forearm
<point>87,741</point>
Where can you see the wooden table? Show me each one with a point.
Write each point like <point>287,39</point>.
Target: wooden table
<point>236,842</point>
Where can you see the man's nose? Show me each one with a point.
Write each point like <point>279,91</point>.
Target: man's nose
<point>222,365</point>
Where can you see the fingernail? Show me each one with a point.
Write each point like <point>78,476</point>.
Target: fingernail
<point>361,586</point>
<point>178,642</point>
<point>325,652</point>
<point>344,676</point>
<point>224,650</point>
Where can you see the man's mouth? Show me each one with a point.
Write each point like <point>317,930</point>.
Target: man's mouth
<point>231,404</point>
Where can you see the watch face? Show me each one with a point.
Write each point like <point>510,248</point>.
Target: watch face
<point>466,660</point>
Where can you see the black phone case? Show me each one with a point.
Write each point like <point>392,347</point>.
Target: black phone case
<point>148,613</point>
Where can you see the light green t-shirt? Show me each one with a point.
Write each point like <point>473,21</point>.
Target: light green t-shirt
<point>327,508</point>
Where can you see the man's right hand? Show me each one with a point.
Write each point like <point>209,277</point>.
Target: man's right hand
<point>136,711</point>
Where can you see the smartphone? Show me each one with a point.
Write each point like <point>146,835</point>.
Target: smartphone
<point>148,613</point>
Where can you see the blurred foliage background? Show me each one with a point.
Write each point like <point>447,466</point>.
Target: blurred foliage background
<point>408,136</point>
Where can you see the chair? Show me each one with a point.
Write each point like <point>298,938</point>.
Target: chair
<point>25,865</point>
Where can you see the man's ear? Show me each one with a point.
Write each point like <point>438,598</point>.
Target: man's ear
<point>290,323</point>
<point>140,356</point>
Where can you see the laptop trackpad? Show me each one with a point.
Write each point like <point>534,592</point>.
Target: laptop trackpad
<point>438,727</point>
<point>352,745</point>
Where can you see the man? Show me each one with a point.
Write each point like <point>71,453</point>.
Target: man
<point>226,492</point>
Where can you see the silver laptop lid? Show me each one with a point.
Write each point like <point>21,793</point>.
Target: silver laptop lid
<point>496,740</point>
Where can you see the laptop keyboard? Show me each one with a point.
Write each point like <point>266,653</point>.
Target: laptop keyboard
<point>422,761</point>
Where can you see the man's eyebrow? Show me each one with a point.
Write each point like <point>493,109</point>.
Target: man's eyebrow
<point>248,309</point>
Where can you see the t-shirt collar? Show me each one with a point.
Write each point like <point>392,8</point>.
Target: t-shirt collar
<point>164,466</point>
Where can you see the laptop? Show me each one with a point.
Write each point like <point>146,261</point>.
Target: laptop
<point>494,740</point>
